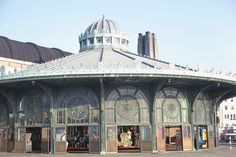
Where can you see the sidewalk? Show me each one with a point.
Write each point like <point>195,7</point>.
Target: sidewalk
<point>221,151</point>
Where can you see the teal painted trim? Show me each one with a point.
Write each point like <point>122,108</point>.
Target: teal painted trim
<point>51,134</point>
<point>90,73</point>
<point>154,141</point>
<point>153,122</point>
<point>102,119</point>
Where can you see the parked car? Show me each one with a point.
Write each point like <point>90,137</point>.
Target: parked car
<point>230,133</point>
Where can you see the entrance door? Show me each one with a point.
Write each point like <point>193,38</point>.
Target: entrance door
<point>33,139</point>
<point>128,138</point>
<point>173,138</point>
<point>78,139</point>
<point>200,140</point>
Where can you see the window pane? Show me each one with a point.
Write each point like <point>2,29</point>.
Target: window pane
<point>110,116</point>
<point>158,115</point>
<point>145,133</point>
<point>94,116</point>
<point>99,40</point>
<point>144,116</point>
<point>60,117</point>
<point>60,134</point>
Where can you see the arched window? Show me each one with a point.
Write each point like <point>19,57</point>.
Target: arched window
<point>170,106</point>
<point>77,106</point>
<point>127,105</point>
<point>202,109</point>
<point>34,109</point>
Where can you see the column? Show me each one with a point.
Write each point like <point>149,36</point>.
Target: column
<point>102,119</point>
<point>154,144</point>
<point>51,131</point>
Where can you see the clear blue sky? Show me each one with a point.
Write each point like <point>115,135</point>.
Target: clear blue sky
<point>189,32</point>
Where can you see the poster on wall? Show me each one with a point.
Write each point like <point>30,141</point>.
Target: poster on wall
<point>145,133</point>
<point>111,133</point>
<point>210,131</point>
<point>187,132</point>
<point>20,134</point>
<point>94,133</point>
<point>45,133</point>
<point>1,134</point>
<point>160,133</point>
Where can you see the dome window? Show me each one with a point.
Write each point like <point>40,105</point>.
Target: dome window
<point>91,41</point>
<point>84,42</point>
<point>123,42</point>
<point>99,40</point>
<point>108,40</point>
<point>117,41</point>
<point>103,32</point>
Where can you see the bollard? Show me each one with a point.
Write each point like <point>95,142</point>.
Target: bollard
<point>230,144</point>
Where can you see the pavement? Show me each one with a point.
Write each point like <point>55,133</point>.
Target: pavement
<point>221,151</point>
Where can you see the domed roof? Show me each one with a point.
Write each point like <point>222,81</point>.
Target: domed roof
<point>103,32</point>
<point>103,25</point>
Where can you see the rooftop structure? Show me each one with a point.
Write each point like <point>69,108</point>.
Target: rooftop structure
<point>103,32</point>
<point>28,51</point>
<point>147,45</point>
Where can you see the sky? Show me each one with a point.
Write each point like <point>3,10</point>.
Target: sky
<point>189,32</point>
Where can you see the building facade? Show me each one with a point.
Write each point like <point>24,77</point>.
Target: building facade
<point>107,100</point>
<point>227,116</point>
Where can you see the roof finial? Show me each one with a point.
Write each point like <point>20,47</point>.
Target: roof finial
<point>103,17</point>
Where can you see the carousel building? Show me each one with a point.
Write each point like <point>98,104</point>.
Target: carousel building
<point>105,99</point>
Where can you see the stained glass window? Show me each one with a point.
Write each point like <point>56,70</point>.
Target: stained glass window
<point>127,105</point>
<point>170,106</point>
<point>202,110</point>
<point>34,110</point>
<point>77,106</point>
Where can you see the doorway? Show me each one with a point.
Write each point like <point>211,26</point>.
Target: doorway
<point>128,138</point>
<point>33,139</point>
<point>200,137</point>
<point>77,139</point>
<point>173,138</point>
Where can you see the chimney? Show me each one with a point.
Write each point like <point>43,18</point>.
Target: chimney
<point>147,45</point>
